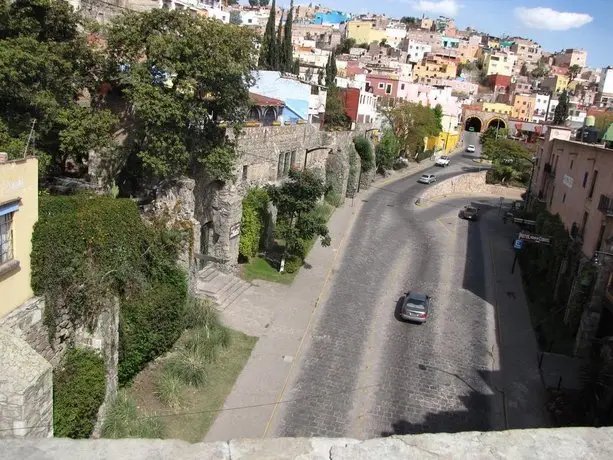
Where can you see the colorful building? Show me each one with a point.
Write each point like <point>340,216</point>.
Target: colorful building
<point>331,17</point>
<point>498,107</point>
<point>499,63</point>
<point>434,68</point>
<point>555,83</point>
<point>18,214</point>
<point>523,106</point>
<point>365,32</point>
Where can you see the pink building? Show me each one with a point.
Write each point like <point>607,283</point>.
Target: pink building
<point>387,86</point>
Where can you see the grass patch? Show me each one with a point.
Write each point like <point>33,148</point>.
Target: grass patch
<point>126,420</point>
<point>261,268</point>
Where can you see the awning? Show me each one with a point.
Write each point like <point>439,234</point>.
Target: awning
<point>10,207</point>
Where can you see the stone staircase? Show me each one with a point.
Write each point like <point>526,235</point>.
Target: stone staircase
<point>222,288</point>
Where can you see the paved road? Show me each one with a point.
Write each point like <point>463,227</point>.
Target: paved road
<point>366,374</point>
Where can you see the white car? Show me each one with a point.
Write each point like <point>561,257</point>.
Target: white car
<point>427,178</point>
<point>443,161</point>
<point>470,149</point>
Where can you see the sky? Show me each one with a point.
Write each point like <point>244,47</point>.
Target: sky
<point>555,24</point>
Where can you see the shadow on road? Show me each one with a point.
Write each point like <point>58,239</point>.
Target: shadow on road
<point>476,415</point>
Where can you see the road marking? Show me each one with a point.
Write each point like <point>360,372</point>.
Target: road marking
<point>445,226</point>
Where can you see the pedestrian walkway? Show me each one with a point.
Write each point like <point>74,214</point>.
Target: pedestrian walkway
<point>281,317</point>
<point>520,380</point>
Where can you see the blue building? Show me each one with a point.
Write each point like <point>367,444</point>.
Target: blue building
<point>333,17</point>
<point>293,93</point>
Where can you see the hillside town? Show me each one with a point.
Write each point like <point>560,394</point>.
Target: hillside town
<point>226,219</point>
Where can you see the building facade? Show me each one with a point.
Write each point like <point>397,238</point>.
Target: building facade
<point>571,57</point>
<point>499,63</point>
<point>523,106</point>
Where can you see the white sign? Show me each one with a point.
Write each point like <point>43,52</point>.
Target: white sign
<point>235,230</point>
<point>568,181</point>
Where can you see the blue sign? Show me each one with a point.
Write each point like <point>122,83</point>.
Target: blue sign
<point>518,244</point>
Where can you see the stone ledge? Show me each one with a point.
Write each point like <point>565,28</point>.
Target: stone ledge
<point>468,183</point>
<point>560,443</point>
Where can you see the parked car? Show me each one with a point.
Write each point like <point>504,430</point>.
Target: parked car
<point>443,161</point>
<point>470,149</point>
<point>427,178</point>
<point>415,307</point>
<point>469,212</point>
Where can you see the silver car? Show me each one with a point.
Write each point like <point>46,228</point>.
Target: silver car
<point>415,307</point>
<point>470,149</point>
<point>427,178</point>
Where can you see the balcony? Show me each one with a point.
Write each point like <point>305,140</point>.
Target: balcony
<point>549,170</point>
<point>605,205</point>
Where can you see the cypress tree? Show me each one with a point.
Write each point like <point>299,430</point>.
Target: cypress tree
<point>288,50</point>
<point>330,70</point>
<point>279,64</point>
<point>268,50</point>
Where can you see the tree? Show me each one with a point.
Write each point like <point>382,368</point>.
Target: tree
<point>540,71</point>
<point>331,70</point>
<point>45,64</point>
<point>412,123</point>
<point>269,42</point>
<point>345,46</point>
<point>253,3</point>
<point>561,113</point>
<point>365,151</point>
<point>387,150</point>
<point>295,201</point>
<point>235,18</point>
<point>232,2</point>
<point>410,21</point>
<point>335,116</point>
<point>511,161</point>
<point>287,57</point>
<point>573,71</point>
<point>493,133</point>
<point>264,3</point>
<point>438,114</point>
<point>178,89</point>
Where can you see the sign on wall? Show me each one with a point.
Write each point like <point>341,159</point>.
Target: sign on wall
<point>235,230</point>
<point>568,181</point>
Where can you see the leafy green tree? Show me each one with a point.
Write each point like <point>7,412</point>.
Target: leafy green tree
<point>511,161</point>
<point>335,115</point>
<point>412,123</point>
<point>345,46</point>
<point>45,64</point>
<point>540,71</point>
<point>438,113</point>
<point>287,48</point>
<point>268,51</point>
<point>331,70</point>
<point>493,133</point>
<point>295,201</point>
<point>364,148</point>
<point>387,150</point>
<point>179,89</point>
<point>410,20</point>
<point>253,3</point>
<point>573,71</point>
<point>235,18</point>
<point>266,2</point>
<point>561,113</point>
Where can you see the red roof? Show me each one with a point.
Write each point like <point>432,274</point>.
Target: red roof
<point>263,101</point>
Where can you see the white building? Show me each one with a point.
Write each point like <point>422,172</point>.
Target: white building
<point>417,50</point>
<point>218,13</point>
<point>255,18</point>
<point>540,107</point>
<point>606,81</point>
<point>395,34</point>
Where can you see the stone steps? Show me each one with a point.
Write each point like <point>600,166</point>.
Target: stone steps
<point>222,288</point>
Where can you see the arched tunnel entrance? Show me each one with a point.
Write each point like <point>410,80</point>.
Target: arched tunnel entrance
<point>497,123</point>
<point>473,124</point>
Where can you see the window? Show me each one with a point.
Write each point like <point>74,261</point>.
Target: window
<point>571,164</point>
<point>594,177</point>
<point>586,215</point>
<point>381,85</point>
<point>388,89</point>
<point>280,166</point>
<point>564,198</point>
<point>245,169</point>
<point>402,86</point>
<point>585,179</point>
<point>6,237</point>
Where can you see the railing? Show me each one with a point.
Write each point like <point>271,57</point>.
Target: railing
<point>605,205</point>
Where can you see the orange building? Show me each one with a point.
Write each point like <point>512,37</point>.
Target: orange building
<point>523,106</point>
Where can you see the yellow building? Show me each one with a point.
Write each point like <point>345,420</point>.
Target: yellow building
<point>555,83</point>
<point>499,63</point>
<point>18,214</point>
<point>365,32</point>
<point>498,107</point>
<point>435,68</point>
<point>523,106</point>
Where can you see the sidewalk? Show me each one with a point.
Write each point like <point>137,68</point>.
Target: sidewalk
<point>281,316</point>
<point>520,379</point>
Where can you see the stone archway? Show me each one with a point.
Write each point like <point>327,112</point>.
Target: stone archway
<point>497,123</point>
<point>473,122</point>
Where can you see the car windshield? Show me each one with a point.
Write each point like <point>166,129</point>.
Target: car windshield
<point>445,157</point>
<point>415,304</point>
<point>470,209</point>
<point>471,146</point>
<point>424,176</point>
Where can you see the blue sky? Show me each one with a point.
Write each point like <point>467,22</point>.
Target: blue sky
<point>555,24</point>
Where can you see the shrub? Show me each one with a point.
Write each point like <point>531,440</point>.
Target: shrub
<point>79,386</point>
<point>168,389</point>
<point>333,198</point>
<point>199,313</point>
<point>253,222</point>
<point>293,264</point>
<point>365,151</point>
<point>188,366</point>
<point>123,420</point>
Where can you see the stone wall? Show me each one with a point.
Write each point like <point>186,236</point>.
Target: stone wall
<point>26,390</point>
<point>265,156</point>
<point>566,443</point>
<point>31,338</point>
<point>472,183</point>
<point>104,11</point>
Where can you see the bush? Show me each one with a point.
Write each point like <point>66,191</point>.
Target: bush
<point>293,264</point>
<point>365,151</point>
<point>253,222</point>
<point>150,324</point>
<point>168,389</point>
<point>423,155</point>
<point>123,420</point>
<point>188,366</point>
<point>333,198</point>
<point>79,386</point>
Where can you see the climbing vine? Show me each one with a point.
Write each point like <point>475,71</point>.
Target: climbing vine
<point>253,222</point>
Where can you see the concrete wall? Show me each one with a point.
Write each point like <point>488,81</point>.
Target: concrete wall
<point>18,186</point>
<point>469,183</point>
<point>567,443</point>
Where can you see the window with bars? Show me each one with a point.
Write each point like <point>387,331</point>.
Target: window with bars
<point>6,237</point>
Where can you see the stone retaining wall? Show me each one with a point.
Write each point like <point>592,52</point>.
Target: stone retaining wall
<point>567,443</point>
<point>471,183</point>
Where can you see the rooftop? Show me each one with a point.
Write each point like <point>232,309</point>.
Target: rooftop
<point>264,101</point>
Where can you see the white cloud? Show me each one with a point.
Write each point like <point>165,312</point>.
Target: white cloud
<point>442,7</point>
<point>548,19</point>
